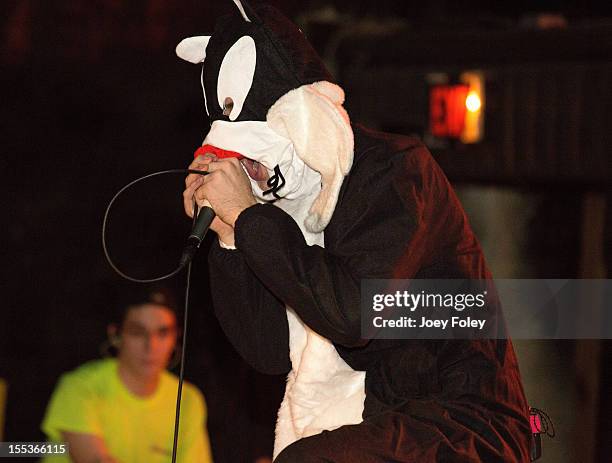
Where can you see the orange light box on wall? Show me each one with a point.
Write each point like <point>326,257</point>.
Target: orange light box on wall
<point>456,110</point>
<point>447,110</point>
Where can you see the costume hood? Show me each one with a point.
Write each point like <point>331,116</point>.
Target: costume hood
<point>270,98</point>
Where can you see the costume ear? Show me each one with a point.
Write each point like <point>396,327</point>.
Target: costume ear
<point>246,11</point>
<point>336,94</point>
<point>313,118</point>
<point>193,49</point>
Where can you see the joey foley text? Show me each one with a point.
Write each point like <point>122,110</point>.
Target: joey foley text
<point>436,315</point>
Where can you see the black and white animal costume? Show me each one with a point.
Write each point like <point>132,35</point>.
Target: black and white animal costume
<point>352,204</point>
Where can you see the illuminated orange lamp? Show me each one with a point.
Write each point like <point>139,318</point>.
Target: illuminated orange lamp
<point>473,128</point>
<point>456,111</point>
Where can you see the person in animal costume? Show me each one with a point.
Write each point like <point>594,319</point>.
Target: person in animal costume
<point>307,206</point>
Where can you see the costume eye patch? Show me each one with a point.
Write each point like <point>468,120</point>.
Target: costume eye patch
<point>236,76</point>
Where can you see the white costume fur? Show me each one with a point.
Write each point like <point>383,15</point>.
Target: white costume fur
<point>313,118</point>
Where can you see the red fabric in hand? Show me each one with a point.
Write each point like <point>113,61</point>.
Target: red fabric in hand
<point>219,152</point>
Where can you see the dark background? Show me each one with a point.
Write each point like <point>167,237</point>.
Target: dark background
<point>93,96</point>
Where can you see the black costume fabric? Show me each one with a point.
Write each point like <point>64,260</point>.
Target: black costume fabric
<point>396,217</point>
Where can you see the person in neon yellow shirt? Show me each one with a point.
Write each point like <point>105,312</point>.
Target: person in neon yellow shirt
<point>122,410</point>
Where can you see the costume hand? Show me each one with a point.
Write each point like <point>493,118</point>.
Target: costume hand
<point>192,183</point>
<point>227,188</point>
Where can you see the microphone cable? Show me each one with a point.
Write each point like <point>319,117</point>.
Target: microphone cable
<point>180,267</point>
<point>105,221</point>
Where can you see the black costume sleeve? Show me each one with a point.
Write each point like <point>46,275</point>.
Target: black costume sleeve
<point>322,288</point>
<point>251,317</point>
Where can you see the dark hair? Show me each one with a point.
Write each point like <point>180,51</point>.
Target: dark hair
<point>136,295</point>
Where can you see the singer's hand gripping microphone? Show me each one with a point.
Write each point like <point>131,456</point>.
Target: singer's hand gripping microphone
<point>206,214</point>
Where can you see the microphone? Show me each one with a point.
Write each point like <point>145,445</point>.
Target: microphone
<point>206,214</point>
<point>202,223</point>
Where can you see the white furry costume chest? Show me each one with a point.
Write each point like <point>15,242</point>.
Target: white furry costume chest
<point>323,392</point>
